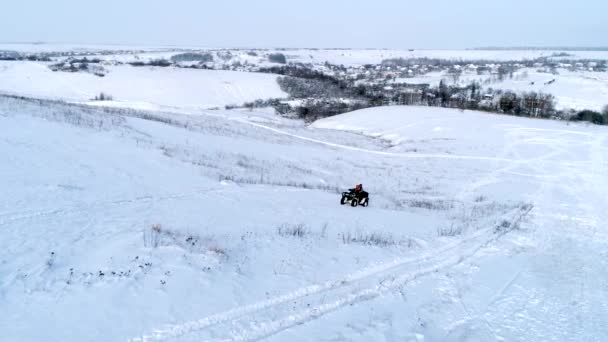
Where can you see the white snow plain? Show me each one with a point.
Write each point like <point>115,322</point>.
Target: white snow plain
<point>141,87</point>
<point>145,226</point>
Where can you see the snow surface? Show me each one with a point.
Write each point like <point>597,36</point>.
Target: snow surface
<point>487,227</point>
<point>141,87</point>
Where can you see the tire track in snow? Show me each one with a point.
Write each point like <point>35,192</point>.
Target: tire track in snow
<point>436,263</point>
<point>431,261</point>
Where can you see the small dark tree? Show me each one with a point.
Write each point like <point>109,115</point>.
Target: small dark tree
<point>444,94</point>
<point>277,58</point>
<point>591,116</point>
<point>508,103</point>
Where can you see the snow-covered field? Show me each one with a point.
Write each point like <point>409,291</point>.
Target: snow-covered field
<point>226,226</point>
<point>141,87</point>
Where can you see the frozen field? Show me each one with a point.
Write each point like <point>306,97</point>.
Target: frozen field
<point>226,226</point>
<point>142,87</point>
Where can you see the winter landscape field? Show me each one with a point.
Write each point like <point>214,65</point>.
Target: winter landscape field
<point>190,194</point>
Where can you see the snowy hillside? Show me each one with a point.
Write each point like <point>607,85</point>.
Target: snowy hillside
<point>197,78</point>
<point>146,226</point>
<point>144,87</point>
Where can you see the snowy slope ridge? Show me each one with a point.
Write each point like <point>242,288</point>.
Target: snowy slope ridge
<point>226,226</point>
<point>144,87</point>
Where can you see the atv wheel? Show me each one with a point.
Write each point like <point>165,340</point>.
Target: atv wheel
<point>354,202</point>
<point>343,200</point>
<point>365,203</point>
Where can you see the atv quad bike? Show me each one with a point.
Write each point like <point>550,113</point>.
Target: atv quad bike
<point>355,198</point>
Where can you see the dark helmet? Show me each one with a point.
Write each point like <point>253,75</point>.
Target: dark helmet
<point>359,187</point>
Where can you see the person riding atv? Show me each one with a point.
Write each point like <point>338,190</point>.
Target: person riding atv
<point>355,196</point>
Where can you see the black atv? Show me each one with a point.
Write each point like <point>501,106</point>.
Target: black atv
<point>355,198</point>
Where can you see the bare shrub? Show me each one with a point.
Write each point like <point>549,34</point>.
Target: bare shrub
<point>51,260</point>
<point>167,151</point>
<point>103,97</point>
<point>507,225</point>
<point>152,236</point>
<point>294,184</point>
<point>503,226</point>
<point>156,236</point>
<point>431,205</point>
<point>453,230</point>
<point>480,198</point>
<point>293,230</point>
<point>217,250</point>
<point>378,239</point>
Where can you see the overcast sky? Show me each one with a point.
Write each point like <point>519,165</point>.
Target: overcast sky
<point>310,23</point>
